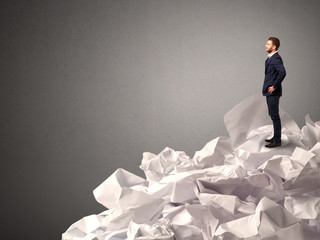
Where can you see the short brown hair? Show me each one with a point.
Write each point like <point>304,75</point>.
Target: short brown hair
<point>275,41</point>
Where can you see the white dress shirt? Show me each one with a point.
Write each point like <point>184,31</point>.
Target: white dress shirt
<point>271,54</point>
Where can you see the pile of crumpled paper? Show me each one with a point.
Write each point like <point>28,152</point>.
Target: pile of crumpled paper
<point>234,188</point>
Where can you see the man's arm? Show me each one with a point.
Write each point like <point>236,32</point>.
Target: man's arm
<point>278,64</point>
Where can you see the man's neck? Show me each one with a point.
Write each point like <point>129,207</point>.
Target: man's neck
<point>271,53</point>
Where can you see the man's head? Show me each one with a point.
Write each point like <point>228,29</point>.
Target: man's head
<point>273,44</point>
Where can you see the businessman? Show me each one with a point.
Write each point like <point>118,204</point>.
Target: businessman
<point>272,88</point>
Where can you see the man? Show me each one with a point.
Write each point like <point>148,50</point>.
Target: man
<point>272,89</point>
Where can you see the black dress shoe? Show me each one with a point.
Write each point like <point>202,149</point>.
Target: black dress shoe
<point>269,140</point>
<point>273,145</point>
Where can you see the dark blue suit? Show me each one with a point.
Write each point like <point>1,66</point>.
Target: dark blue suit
<point>274,75</point>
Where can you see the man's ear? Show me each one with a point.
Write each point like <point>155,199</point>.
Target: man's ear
<point>274,47</point>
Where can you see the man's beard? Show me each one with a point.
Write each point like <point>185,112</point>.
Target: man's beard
<point>269,50</point>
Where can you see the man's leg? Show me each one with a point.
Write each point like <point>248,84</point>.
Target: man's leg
<point>273,107</point>
<point>270,139</point>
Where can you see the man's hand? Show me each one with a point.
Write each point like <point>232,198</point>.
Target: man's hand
<point>271,89</point>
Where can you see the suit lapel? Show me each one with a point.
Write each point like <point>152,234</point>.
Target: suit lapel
<point>266,64</point>
<point>270,59</point>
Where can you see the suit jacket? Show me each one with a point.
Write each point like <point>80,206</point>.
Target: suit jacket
<point>274,75</point>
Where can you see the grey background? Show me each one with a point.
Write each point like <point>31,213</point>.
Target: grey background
<point>88,86</point>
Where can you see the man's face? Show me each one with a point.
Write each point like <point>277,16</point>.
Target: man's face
<point>270,47</point>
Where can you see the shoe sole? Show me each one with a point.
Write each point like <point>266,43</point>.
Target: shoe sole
<point>273,146</point>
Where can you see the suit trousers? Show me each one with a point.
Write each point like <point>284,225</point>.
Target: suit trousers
<point>273,109</point>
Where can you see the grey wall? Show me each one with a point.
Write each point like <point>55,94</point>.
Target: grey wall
<point>88,86</point>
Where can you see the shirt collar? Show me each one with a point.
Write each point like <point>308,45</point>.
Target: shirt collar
<point>271,54</point>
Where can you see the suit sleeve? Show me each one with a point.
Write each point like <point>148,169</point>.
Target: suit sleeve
<point>278,64</point>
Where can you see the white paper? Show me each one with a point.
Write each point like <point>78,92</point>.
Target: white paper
<point>233,188</point>
<point>108,193</point>
<point>303,207</point>
<point>145,231</point>
<point>313,131</point>
<point>270,221</point>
